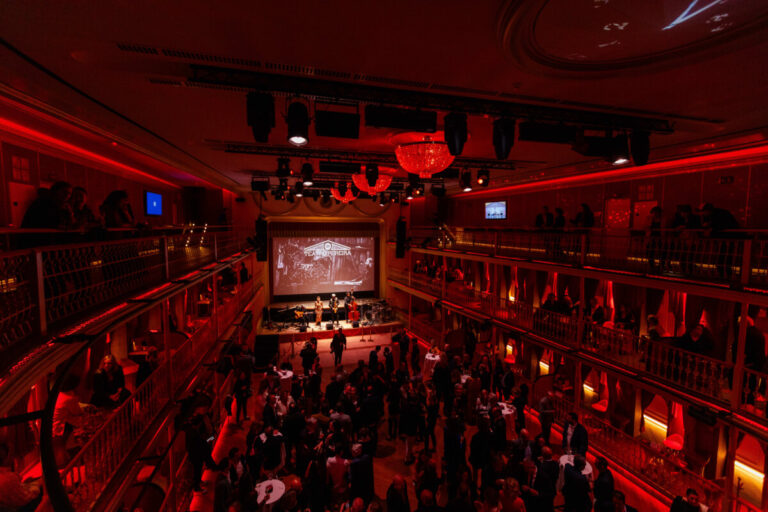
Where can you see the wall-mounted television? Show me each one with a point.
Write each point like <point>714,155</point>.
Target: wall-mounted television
<point>496,210</point>
<point>153,203</point>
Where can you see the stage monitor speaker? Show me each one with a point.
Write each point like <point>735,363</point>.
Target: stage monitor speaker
<point>265,349</point>
<point>355,324</point>
<point>329,326</point>
<point>302,328</point>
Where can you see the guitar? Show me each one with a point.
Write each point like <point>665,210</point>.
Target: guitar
<point>299,313</point>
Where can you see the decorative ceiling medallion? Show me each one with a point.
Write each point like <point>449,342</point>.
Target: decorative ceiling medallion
<point>607,36</point>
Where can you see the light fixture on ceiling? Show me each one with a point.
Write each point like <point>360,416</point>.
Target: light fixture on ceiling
<point>298,189</point>
<point>503,137</point>
<point>382,199</point>
<point>260,114</point>
<point>455,132</point>
<point>306,174</point>
<point>283,184</point>
<point>283,167</point>
<point>483,177</point>
<point>409,192</point>
<point>418,190</point>
<point>466,181</point>
<point>297,120</point>
<point>620,150</point>
<point>640,147</point>
<point>424,157</point>
<point>366,183</point>
<point>343,192</point>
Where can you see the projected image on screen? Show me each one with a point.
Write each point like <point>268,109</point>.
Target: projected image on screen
<point>321,265</point>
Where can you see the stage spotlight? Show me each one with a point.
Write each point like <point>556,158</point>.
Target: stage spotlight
<point>418,190</point>
<point>298,123</point>
<point>382,199</point>
<point>620,150</point>
<point>409,192</point>
<point>306,174</point>
<point>260,114</point>
<point>503,137</point>
<point>298,189</point>
<point>455,132</point>
<point>483,177</point>
<point>466,181</point>
<point>283,167</point>
<point>640,147</point>
<point>372,174</point>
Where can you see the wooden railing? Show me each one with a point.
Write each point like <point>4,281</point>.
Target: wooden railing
<point>729,256</point>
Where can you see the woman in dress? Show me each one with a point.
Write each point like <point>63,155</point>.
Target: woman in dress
<point>318,311</point>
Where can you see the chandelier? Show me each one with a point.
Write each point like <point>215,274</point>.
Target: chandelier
<point>425,157</point>
<point>382,183</point>
<point>347,196</point>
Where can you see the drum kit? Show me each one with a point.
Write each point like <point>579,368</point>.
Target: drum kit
<point>377,312</point>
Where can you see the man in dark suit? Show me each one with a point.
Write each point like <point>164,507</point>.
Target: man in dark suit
<point>576,490</point>
<point>537,488</point>
<point>575,437</point>
<point>338,344</point>
<point>603,487</point>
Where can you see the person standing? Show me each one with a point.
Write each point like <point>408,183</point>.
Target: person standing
<point>347,305</point>
<point>242,391</point>
<point>575,437</point>
<point>546,416</point>
<point>603,487</point>
<point>308,355</point>
<point>576,486</point>
<point>318,311</point>
<point>333,304</point>
<point>338,344</point>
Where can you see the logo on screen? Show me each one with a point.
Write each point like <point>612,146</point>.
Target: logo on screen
<point>327,248</point>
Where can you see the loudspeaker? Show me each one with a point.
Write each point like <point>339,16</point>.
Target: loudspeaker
<point>329,326</point>
<point>302,328</point>
<point>355,324</point>
<point>400,231</point>
<point>265,349</point>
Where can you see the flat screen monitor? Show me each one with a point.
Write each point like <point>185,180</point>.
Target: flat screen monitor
<point>496,210</point>
<point>153,203</point>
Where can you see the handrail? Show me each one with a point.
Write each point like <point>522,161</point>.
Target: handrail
<point>124,420</point>
<point>649,464</point>
<point>703,374</point>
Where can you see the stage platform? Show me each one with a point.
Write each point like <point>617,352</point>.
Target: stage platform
<point>292,333</point>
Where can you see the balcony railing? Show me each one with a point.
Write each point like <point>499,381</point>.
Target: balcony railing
<point>705,375</point>
<point>43,288</point>
<point>651,464</point>
<point>91,469</point>
<point>728,257</point>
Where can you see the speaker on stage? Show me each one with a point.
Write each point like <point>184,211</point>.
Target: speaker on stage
<point>355,325</point>
<point>265,349</point>
<point>329,326</point>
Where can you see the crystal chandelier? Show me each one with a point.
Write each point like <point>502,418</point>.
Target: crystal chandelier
<point>382,182</point>
<point>347,196</point>
<point>425,157</point>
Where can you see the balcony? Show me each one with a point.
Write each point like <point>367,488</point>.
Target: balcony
<point>90,472</point>
<point>657,466</point>
<point>44,289</point>
<point>657,361</point>
<point>733,258</point>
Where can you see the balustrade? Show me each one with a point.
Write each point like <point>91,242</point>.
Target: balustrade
<point>50,285</point>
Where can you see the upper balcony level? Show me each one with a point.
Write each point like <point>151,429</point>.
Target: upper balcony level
<point>47,288</point>
<point>726,259</point>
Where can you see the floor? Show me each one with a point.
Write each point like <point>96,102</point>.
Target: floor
<point>390,454</point>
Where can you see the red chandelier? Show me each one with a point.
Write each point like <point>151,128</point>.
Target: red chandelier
<point>348,194</point>
<point>425,157</point>
<point>382,183</point>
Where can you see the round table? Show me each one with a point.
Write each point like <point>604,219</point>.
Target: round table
<point>278,489</point>
<point>508,412</point>
<point>568,459</point>
<point>285,379</point>
<point>430,360</point>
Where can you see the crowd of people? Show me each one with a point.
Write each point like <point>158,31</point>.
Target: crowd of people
<point>319,434</point>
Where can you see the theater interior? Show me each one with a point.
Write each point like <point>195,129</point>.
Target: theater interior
<point>507,226</point>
